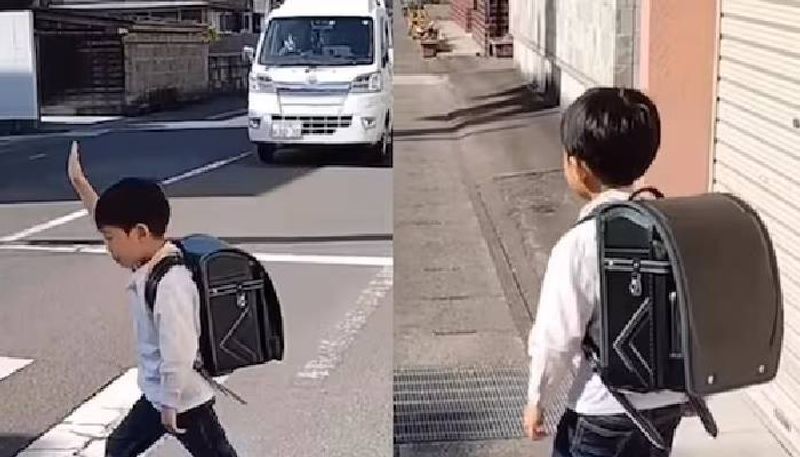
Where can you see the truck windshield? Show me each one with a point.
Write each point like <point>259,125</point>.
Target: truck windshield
<point>318,41</point>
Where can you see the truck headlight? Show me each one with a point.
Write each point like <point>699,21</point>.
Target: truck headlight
<point>261,83</point>
<point>372,82</point>
<point>369,122</point>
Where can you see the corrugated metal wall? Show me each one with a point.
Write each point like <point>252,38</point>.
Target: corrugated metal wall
<point>757,156</point>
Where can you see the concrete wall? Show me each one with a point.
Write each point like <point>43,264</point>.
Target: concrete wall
<point>678,71</point>
<point>19,103</point>
<point>665,47</point>
<point>261,6</point>
<point>575,44</point>
<point>160,67</point>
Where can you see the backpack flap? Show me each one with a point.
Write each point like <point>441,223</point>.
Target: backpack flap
<point>240,313</point>
<point>635,342</point>
<point>728,290</point>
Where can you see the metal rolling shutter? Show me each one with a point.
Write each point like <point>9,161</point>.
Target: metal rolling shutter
<point>757,156</point>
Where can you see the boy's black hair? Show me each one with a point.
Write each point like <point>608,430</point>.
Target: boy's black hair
<point>133,201</point>
<point>615,131</point>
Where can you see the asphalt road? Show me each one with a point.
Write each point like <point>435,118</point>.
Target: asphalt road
<point>67,313</point>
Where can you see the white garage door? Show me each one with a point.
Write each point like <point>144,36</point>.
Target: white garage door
<point>757,156</point>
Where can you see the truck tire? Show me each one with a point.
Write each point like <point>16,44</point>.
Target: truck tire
<point>383,151</point>
<point>388,155</point>
<point>266,152</point>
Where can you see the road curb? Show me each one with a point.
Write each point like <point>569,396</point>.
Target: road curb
<point>520,271</point>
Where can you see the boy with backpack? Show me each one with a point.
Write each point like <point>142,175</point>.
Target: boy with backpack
<point>132,216</point>
<point>610,137</point>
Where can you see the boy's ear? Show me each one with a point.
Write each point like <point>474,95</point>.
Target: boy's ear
<point>141,231</point>
<point>583,169</point>
<point>586,175</point>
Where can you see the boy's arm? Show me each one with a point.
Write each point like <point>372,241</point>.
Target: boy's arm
<point>79,181</point>
<point>561,321</point>
<point>174,316</point>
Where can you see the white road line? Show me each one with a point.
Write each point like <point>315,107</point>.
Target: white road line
<point>332,348</point>
<point>10,365</point>
<point>37,156</point>
<point>365,261</point>
<point>44,226</point>
<point>79,120</point>
<point>204,169</point>
<point>91,422</point>
<point>237,122</point>
<point>72,134</point>
<point>75,249</point>
<point>84,432</point>
<point>344,260</point>
<point>233,113</point>
<point>80,213</point>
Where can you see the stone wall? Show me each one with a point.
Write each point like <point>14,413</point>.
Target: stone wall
<point>163,67</point>
<point>566,46</point>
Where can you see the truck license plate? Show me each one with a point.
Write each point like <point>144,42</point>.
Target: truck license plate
<point>287,129</point>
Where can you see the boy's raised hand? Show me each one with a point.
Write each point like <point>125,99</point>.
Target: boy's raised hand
<point>74,168</point>
<point>78,179</point>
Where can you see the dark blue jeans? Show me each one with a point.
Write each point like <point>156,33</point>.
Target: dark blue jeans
<point>142,427</point>
<point>614,435</point>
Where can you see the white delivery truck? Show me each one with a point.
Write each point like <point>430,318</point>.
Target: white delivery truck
<point>322,75</point>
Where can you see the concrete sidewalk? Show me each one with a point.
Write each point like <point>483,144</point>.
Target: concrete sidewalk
<point>480,201</point>
<point>450,319</point>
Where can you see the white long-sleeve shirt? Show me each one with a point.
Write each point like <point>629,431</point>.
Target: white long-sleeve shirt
<point>168,339</point>
<point>568,302</point>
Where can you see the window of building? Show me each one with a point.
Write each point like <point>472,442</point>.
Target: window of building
<point>192,15</point>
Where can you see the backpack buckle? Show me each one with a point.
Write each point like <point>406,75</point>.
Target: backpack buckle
<point>635,286</point>
<point>241,297</point>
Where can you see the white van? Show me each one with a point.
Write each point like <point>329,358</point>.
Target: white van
<point>322,75</point>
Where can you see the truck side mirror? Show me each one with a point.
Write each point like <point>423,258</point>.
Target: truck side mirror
<point>249,54</point>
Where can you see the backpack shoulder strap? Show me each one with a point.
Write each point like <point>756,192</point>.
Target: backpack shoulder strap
<point>647,190</point>
<point>634,196</point>
<point>587,218</point>
<point>641,422</point>
<point>159,270</point>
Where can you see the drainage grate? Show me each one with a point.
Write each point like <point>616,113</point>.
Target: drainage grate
<point>458,404</point>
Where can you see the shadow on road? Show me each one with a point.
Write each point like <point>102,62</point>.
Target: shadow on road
<point>35,172</point>
<point>219,108</point>
<point>509,103</point>
<point>11,444</point>
<point>343,156</point>
<point>450,133</point>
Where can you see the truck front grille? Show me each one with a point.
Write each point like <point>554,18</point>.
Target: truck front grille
<point>319,125</point>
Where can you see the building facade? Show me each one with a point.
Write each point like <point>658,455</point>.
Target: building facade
<point>224,16</point>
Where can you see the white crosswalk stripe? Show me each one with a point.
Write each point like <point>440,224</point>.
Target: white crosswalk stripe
<point>10,365</point>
